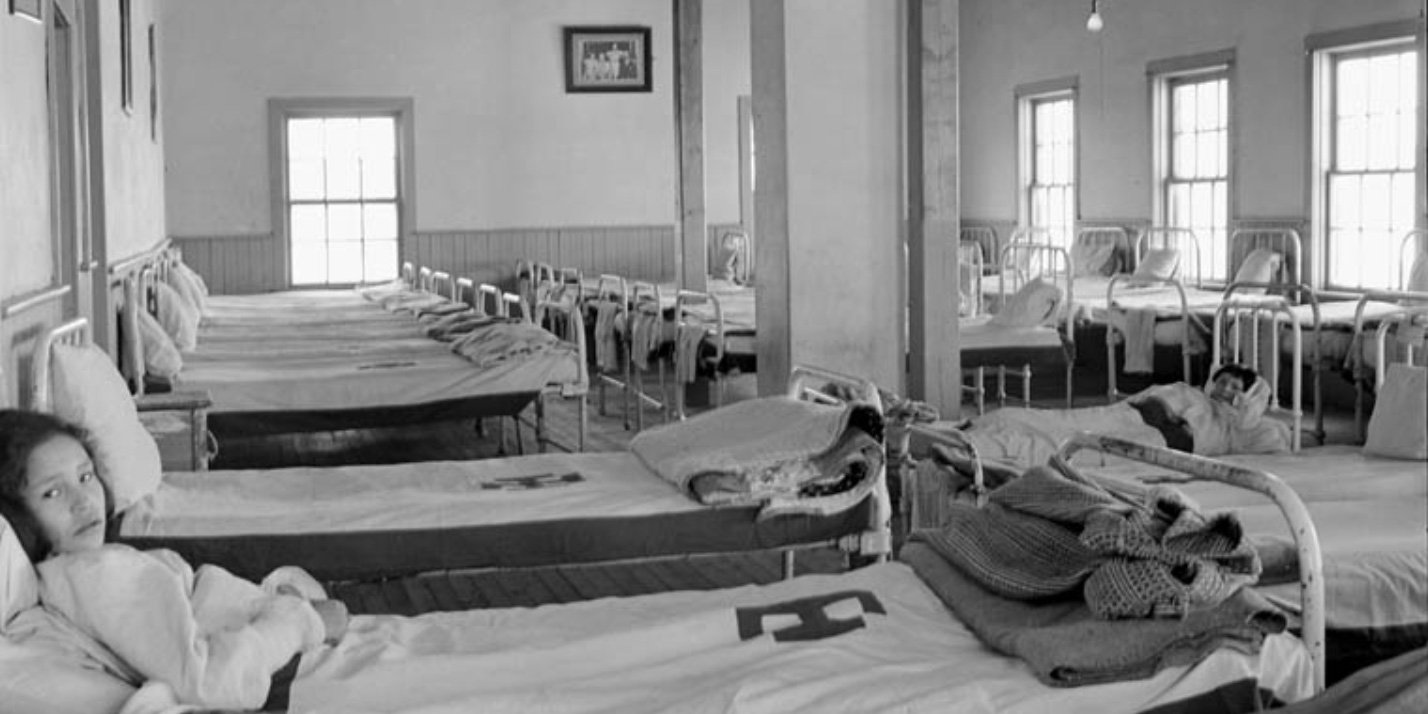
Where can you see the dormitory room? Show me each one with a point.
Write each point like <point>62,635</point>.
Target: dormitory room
<point>784,356</point>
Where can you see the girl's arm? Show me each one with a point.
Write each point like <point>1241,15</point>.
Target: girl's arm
<point>141,609</point>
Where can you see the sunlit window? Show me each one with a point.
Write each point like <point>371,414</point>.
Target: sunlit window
<point>1371,146</point>
<point>1195,175</point>
<point>1050,161</point>
<point>342,199</point>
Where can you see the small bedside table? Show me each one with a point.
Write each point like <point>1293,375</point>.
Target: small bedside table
<point>178,422</point>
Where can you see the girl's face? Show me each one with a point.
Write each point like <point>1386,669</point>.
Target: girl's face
<point>63,493</point>
<point>1226,388</point>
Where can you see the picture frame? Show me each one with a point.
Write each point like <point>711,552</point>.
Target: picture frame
<point>607,58</point>
<point>28,9</point>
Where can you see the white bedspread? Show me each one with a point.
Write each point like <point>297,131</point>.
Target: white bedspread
<point>682,651</point>
<point>434,494</point>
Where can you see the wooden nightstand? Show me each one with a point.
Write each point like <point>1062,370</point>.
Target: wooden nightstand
<point>178,422</point>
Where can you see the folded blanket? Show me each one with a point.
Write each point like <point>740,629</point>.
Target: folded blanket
<point>453,326</point>
<point>1051,534</point>
<point>607,349</point>
<point>1066,645</point>
<point>791,455</point>
<point>503,341</point>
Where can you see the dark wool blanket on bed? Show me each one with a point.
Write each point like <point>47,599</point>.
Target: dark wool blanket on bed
<point>1067,646</point>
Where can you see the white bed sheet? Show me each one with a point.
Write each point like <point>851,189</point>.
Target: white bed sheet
<point>330,382</point>
<point>423,495</point>
<point>681,651</point>
<point>977,333</point>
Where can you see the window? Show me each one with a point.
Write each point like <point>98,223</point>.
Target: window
<point>342,199</point>
<point>1366,158</point>
<point>126,56</point>
<point>1048,163</point>
<point>1191,110</point>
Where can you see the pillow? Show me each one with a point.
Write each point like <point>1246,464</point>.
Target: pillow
<point>1260,266</point>
<point>19,588</point>
<point>88,391</point>
<point>1418,275</point>
<point>1399,426</point>
<point>1157,264</point>
<point>179,317</point>
<point>1093,259</point>
<point>161,357</point>
<point>183,282</point>
<point>1032,305</point>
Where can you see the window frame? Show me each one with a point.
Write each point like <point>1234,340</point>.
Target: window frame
<point>1324,51</point>
<point>401,109</point>
<point>1028,98</point>
<point>1164,76</point>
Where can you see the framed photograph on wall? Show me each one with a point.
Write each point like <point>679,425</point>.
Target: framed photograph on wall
<point>28,9</point>
<point>607,59</point>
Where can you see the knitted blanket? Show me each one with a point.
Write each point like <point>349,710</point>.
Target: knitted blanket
<point>789,455</point>
<point>1048,534</point>
<point>504,341</point>
<point>1066,645</point>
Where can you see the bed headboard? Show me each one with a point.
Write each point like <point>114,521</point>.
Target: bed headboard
<point>74,332</point>
<point>1284,241</point>
<point>985,237</point>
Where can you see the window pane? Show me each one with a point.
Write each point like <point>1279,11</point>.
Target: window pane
<point>1208,109</point>
<point>378,138</point>
<point>379,260</point>
<point>1182,99</point>
<point>379,177</point>
<point>379,221</point>
<point>1351,89</point>
<point>1377,202</point>
<point>344,262</point>
<point>305,138</point>
<point>1350,142</point>
<point>309,223</point>
<point>1383,148</point>
<point>1343,201</point>
<point>309,263</point>
<point>305,179</point>
<point>1208,161</point>
<point>341,138</point>
<point>344,179</point>
<point>1401,216</point>
<point>344,222</point>
<point>1383,84</point>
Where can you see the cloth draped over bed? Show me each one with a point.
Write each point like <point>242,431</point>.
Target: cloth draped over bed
<point>1017,438</point>
<point>790,455</point>
<point>505,341</point>
<point>1090,587</point>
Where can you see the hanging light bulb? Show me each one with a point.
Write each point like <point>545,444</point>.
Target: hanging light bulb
<point>1093,23</point>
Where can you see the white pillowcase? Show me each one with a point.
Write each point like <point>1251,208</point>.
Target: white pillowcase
<point>1097,259</point>
<point>19,588</point>
<point>1157,264</point>
<point>161,356</point>
<point>1400,415</point>
<point>88,391</point>
<point>178,316</point>
<point>1260,266</point>
<point>1033,304</point>
<point>185,282</point>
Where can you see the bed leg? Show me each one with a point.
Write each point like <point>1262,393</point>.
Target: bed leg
<point>788,564</point>
<point>1026,386</point>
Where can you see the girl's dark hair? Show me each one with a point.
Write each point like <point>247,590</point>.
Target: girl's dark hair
<point>1246,375</point>
<point>21,432</point>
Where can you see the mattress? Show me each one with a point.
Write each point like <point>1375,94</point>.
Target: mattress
<point>364,521</point>
<point>881,641</point>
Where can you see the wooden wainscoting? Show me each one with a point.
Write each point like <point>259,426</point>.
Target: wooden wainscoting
<point>235,264</point>
<point>252,263</point>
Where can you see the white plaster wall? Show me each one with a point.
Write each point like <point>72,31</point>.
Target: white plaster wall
<point>133,159</point>
<point>26,262</point>
<point>499,143</point>
<point>844,186</point>
<point>726,76</point>
<point>1006,43</point>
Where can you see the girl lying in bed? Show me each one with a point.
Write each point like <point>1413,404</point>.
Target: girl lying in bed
<point>1227,416</point>
<point>214,639</point>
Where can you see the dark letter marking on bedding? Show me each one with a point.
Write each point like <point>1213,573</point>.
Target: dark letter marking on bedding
<point>526,483</point>
<point>814,623</point>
